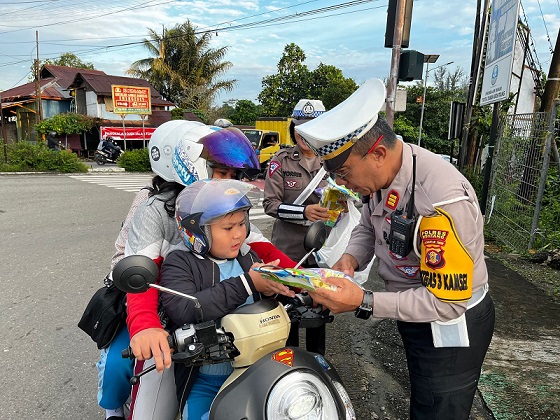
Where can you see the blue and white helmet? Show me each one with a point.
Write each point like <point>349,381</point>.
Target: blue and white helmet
<point>162,145</point>
<point>207,147</point>
<point>204,202</point>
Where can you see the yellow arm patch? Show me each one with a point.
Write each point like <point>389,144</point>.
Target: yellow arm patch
<point>446,267</point>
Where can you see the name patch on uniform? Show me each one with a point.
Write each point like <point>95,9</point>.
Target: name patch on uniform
<point>293,173</point>
<point>392,200</point>
<point>446,267</point>
<point>272,167</point>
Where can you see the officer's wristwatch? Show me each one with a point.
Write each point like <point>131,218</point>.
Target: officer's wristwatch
<point>365,310</point>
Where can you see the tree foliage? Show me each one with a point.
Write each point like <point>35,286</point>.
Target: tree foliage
<point>66,59</point>
<point>245,112</point>
<point>294,81</point>
<point>447,87</point>
<point>70,60</point>
<point>238,111</point>
<point>69,123</point>
<point>183,67</point>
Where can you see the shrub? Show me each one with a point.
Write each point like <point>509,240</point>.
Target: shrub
<point>136,160</point>
<point>26,156</point>
<point>69,123</point>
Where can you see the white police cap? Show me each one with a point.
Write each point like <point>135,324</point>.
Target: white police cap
<point>333,133</point>
<point>307,109</point>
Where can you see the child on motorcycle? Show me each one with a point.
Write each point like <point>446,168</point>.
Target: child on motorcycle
<point>213,220</point>
<point>198,156</point>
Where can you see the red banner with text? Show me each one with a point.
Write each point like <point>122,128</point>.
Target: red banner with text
<point>132,133</point>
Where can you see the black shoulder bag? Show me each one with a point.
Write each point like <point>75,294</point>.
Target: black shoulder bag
<point>105,314</point>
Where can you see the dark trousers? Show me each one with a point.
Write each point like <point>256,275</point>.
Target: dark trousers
<point>443,381</point>
<point>315,338</point>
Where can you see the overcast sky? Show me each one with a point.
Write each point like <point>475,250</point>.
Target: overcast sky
<point>346,34</point>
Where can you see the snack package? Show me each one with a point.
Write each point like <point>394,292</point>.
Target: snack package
<point>308,279</point>
<point>331,197</point>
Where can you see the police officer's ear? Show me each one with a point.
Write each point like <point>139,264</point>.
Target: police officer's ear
<point>380,153</point>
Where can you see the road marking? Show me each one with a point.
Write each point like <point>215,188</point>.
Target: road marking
<point>125,182</point>
<point>135,182</point>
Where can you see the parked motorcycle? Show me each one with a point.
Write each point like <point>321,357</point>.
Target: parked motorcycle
<point>270,381</point>
<point>107,152</point>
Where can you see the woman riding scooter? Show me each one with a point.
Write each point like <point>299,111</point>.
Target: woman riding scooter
<point>203,152</point>
<point>114,371</point>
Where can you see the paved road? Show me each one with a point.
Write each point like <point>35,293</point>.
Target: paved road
<point>57,237</point>
<point>57,234</point>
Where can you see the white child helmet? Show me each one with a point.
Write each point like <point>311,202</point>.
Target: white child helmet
<point>162,145</point>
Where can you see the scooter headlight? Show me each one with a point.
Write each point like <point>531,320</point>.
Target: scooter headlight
<point>301,396</point>
<point>350,413</point>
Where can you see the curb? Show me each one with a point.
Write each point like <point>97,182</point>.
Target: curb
<point>91,169</point>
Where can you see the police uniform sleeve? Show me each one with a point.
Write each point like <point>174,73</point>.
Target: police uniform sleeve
<point>422,305</point>
<point>273,203</point>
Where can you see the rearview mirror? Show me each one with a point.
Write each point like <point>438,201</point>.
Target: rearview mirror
<point>316,236</point>
<point>135,273</point>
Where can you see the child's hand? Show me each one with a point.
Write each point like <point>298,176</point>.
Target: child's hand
<point>268,287</point>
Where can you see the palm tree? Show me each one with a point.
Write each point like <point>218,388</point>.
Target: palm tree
<point>183,67</point>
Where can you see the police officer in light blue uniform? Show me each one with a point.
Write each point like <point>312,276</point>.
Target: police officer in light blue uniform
<point>430,251</point>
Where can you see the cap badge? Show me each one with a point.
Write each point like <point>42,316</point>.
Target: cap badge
<point>308,110</point>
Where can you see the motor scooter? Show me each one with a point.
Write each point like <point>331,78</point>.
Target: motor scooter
<point>270,381</point>
<point>107,152</point>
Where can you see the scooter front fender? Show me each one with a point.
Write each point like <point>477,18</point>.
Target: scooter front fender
<point>245,398</point>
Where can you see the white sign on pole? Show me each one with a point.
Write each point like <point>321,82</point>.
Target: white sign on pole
<point>499,51</point>
<point>400,102</point>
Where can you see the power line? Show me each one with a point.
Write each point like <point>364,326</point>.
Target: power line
<point>546,29</point>
<point>263,23</point>
<point>141,6</point>
<point>531,40</point>
<point>25,2</point>
<point>292,18</point>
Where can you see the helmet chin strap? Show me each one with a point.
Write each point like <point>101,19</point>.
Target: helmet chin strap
<point>210,170</point>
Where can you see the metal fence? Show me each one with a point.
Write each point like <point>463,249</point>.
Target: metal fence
<point>523,209</point>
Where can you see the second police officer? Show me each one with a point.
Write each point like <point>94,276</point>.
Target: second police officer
<point>289,172</point>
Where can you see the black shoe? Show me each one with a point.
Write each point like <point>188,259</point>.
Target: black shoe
<point>116,418</point>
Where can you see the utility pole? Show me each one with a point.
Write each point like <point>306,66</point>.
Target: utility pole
<point>395,59</point>
<point>551,90</point>
<point>4,135</point>
<point>38,105</point>
<point>552,87</point>
<point>478,46</point>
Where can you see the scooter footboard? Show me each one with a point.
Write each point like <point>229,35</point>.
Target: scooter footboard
<point>247,396</point>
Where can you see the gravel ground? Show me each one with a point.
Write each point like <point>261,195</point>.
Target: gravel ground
<point>371,362</point>
<point>520,378</point>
